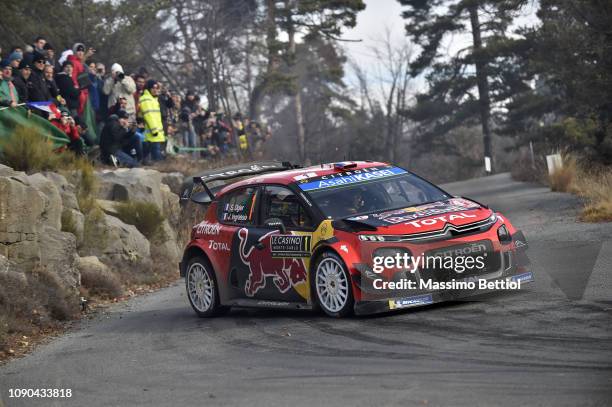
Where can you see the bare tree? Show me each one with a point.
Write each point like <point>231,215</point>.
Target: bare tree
<point>388,88</point>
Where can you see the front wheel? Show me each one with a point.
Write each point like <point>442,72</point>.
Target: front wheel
<point>202,288</point>
<point>332,285</point>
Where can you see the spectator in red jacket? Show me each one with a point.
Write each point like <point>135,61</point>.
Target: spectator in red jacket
<point>78,59</point>
<point>66,124</point>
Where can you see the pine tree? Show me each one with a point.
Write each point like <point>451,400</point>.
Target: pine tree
<point>466,87</point>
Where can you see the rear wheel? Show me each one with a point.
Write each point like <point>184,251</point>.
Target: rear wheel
<point>332,285</point>
<point>202,289</point>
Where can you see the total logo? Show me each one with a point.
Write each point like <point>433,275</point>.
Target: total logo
<point>437,219</point>
<point>218,246</point>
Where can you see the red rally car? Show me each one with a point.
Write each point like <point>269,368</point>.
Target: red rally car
<point>302,238</point>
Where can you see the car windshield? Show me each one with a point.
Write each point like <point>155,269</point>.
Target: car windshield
<point>382,190</point>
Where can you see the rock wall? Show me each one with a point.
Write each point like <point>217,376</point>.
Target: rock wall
<point>30,226</point>
<point>33,207</point>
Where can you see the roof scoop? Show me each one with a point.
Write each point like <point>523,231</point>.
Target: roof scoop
<point>345,165</point>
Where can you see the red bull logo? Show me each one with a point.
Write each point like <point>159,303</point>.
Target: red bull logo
<point>286,272</point>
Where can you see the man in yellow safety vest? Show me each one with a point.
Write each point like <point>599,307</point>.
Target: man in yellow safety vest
<point>154,129</point>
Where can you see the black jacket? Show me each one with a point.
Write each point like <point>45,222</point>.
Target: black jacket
<point>113,137</point>
<point>38,91</point>
<point>67,90</point>
<point>52,88</point>
<point>21,85</point>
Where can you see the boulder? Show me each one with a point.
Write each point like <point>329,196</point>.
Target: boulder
<point>107,206</point>
<point>8,270</point>
<point>118,241</point>
<point>92,265</point>
<point>174,180</point>
<point>135,184</point>
<point>58,256</point>
<point>6,171</point>
<point>171,207</point>
<point>167,249</point>
<point>66,190</point>
<point>78,224</point>
<point>21,210</point>
<point>52,213</point>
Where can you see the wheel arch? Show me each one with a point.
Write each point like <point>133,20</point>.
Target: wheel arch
<point>189,253</point>
<point>315,256</point>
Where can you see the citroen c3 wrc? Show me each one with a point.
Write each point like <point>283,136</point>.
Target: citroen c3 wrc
<point>277,236</point>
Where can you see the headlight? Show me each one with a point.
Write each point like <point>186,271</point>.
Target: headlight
<point>372,238</point>
<point>503,234</point>
<point>493,218</point>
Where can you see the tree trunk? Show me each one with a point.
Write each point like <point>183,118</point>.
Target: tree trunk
<point>259,90</point>
<point>297,99</point>
<point>482,81</point>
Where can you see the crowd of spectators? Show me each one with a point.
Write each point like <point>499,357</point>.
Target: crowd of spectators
<point>137,119</point>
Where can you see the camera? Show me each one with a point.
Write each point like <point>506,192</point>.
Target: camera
<point>120,76</point>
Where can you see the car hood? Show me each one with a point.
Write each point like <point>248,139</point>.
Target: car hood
<point>428,217</point>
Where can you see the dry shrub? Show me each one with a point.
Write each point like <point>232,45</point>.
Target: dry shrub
<point>562,179</point>
<point>146,216</point>
<point>189,166</point>
<point>61,302</point>
<point>595,186</point>
<point>148,273</point>
<point>33,301</point>
<point>27,150</point>
<point>102,283</point>
<point>527,170</point>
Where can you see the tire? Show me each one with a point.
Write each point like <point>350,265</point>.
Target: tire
<point>201,287</point>
<point>332,286</point>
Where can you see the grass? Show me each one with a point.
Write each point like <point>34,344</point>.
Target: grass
<point>563,178</point>
<point>589,181</point>
<point>146,216</point>
<point>25,150</point>
<point>595,186</point>
<point>33,302</point>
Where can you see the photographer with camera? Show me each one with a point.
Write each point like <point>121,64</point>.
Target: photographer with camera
<point>119,142</point>
<point>119,85</point>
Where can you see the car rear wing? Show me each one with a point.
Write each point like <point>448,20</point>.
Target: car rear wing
<point>230,172</point>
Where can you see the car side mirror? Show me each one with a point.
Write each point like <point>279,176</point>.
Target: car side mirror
<point>276,223</point>
<point>201,198</point>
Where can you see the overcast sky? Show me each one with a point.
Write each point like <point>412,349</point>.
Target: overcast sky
<point>370,29</point>
<point>382,14</point>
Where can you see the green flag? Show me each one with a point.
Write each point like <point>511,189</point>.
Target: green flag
<point>89,117</point>
<point>10,118</point>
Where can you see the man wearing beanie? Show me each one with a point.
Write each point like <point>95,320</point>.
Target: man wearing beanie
<point>119,85</point>
<point>151,115</point>
<point>78,59</point>
<point>15,59</point>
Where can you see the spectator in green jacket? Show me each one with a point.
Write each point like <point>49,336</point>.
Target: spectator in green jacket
<point>8,93</point>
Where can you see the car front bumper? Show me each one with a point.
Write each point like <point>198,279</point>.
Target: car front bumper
<point>518,276</point>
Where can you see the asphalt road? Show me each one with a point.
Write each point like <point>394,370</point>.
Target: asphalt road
<point>550,344</point>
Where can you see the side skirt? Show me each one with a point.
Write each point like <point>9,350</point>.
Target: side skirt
<point>255,303</point>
